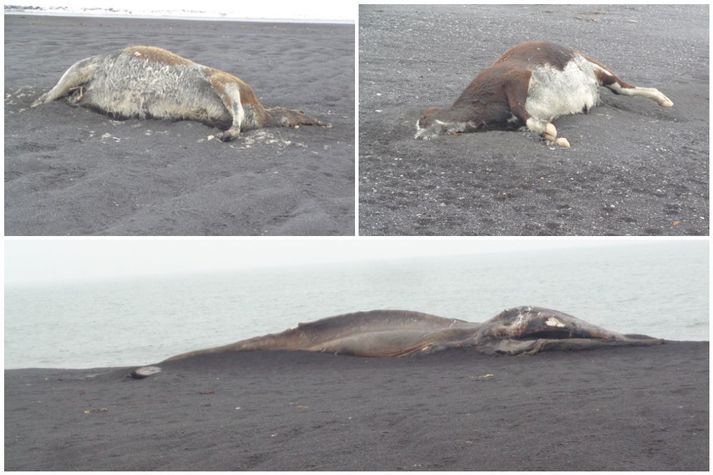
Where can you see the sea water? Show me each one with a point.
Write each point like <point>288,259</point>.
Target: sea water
<point>656,289</point>
<point>308,12</point>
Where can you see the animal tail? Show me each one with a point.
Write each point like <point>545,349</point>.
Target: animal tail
<point>645,340</point>
<point>268,342</point>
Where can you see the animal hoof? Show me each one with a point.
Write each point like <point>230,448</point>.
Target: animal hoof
<point>666,103</point>
<point>145,372</point>
<point>550,132</point>
<point>225,136</point>
<point>562,142</point>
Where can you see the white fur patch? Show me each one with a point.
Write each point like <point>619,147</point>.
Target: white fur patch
<point>536,125</point>
<point>440,127</point>
<point>648,92</point>
<point>134,86</point>
<point>236,106</point>
<point>553,322</point>
<point>552,93</point>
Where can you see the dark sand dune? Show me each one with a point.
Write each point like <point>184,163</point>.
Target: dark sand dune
<point>616,409</point>
<point>73,171</point>
<point>634,168</point>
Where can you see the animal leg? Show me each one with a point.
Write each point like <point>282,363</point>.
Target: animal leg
<point>516,91</point>
<point>229,93</point>
<point>648,92</point>
<point>547,130</point>
<point>609,80</point>
<point>77,75</point>
<point>77,95</point>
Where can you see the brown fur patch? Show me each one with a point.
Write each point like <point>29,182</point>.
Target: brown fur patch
<point>220,79</point>
<point>604,78</point>
<point>158,55</point>
<point>516,87</point>
<point>535,53</point>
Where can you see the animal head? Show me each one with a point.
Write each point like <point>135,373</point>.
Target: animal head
<point>283,117</point>
<point>436,121</point>
<point>528,323</point>
<point>428,126</point>
<point>428,117</point>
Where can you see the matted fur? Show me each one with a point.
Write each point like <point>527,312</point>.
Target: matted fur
<point>151,82</point>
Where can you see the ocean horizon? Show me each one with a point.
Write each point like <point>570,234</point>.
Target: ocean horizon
<point>193,15</point>
<point>657,289</point>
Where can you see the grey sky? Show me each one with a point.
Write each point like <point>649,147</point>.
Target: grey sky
<point>58,260</point>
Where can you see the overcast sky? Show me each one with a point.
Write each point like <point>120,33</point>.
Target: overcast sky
<point>58,260</point>
<point>320,10</point>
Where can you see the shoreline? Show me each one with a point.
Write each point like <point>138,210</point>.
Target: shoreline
<point>103,369</point>
<point>612,409</point>
<point>306,21</point>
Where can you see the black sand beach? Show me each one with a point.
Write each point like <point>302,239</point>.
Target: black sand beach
<point>633,169</point>
<point>614,409</point>
<point>71,171</point>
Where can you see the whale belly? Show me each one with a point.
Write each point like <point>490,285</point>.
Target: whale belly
<point>553,92</point>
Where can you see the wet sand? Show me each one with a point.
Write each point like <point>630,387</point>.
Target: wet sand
<point>72,171</point>
<point>613,409</point>
<point>634,168</point>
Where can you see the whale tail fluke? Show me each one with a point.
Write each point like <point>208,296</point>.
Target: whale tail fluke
<point>281,341</point>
